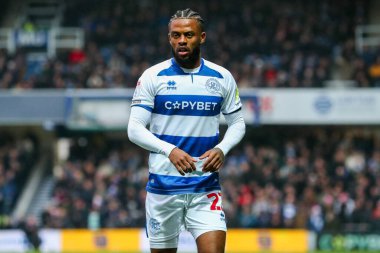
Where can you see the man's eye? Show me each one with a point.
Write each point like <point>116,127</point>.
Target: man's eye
<point>189,35</point>
<point>175,35</point>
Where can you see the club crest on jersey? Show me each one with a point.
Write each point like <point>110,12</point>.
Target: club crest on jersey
<point>213,85</point>
<point>171,85</point>
<point>154,226</point>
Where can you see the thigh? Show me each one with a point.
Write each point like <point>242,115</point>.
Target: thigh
<point>204,213</point>
<point>165,218</point>
<point>211,242</point>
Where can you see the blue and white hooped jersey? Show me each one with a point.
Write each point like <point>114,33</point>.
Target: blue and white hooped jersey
<point>186,107</point>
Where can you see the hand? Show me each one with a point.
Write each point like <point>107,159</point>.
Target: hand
<point>215,160</point>
<point>183,162</point>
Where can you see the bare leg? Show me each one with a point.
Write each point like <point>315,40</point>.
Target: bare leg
<point>212,242</point>
<point>174,250</point>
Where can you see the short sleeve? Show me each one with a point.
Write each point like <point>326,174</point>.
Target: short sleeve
<point>231,101</point>
<point>144,92</point>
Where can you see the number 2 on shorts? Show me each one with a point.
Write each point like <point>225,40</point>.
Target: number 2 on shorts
<point>214,204</point>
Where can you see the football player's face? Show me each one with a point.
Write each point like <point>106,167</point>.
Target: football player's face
<point>185,37</point>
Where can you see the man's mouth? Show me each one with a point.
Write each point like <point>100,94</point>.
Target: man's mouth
<point>183,51</point>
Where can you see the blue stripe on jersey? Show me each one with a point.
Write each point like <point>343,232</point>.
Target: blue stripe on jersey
<point>238,109</point>
<point>206,71</point>
<point>148,108</point>
<point>175,70</point>
<point>194,146</point>
<point>169,185</point>
<point>187,105</point>
<point>171,71</point>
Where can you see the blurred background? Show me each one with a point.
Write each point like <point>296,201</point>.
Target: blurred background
<point>309,78</point>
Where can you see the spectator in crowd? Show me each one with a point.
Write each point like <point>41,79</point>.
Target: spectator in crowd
<point>16,157</point>
<point>374,72</point>
<point>30,228</point>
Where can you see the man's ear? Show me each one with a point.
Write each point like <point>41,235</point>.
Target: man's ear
<point>203,37</point>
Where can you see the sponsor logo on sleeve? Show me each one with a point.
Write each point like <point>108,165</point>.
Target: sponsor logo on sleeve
<point>237,97</point>
<point>136,101</point>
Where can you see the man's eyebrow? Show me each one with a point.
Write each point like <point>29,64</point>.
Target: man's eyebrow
<point>174,31</point>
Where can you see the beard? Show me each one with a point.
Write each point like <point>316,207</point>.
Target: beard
<point>191,60</point>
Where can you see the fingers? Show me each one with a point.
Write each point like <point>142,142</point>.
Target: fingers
<point>214,161</point>
<point>180,170</point>
<point>187,168</point>
<point>211,164</point>
<point>192,166</point>
<point>183,169</point>
<point>182,161</point>
<point>206,154</point>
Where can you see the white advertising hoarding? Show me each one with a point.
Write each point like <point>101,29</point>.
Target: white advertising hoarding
<point>298,106</point>
<point>100,113</point>
<point>312,106</point>
<point>51,240</point>
<point>14,240</point>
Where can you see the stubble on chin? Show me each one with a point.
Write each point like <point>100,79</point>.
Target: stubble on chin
<point>189,60</point>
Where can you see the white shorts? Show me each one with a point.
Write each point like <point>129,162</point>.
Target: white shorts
<point>168,215</point>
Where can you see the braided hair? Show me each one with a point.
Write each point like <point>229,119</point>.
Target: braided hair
<point>188,14</point>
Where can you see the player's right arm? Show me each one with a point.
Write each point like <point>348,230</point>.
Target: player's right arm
<point>140,135</point>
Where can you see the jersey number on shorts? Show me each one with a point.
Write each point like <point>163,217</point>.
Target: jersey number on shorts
<point>214,205</point>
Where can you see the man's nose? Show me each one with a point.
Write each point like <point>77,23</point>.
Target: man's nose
<point>182,39</point>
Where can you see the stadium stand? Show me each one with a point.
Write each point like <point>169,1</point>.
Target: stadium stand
<point>268,44</point>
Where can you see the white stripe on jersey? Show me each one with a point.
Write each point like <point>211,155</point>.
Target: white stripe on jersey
<point>177,125</point>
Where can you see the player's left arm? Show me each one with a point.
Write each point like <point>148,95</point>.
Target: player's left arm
<point>231,109</point>
<point>233,135</point>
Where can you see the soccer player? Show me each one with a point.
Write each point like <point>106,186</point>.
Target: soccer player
<point>181,100</point>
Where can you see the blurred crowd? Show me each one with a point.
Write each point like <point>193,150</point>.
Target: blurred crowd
<point>17,156</point>
<point>102,184</point>
<point>263,43</point>
<point>315,179</point>
<point>280,177</point>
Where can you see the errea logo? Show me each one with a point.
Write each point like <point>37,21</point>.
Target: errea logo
<point>171,85</point>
